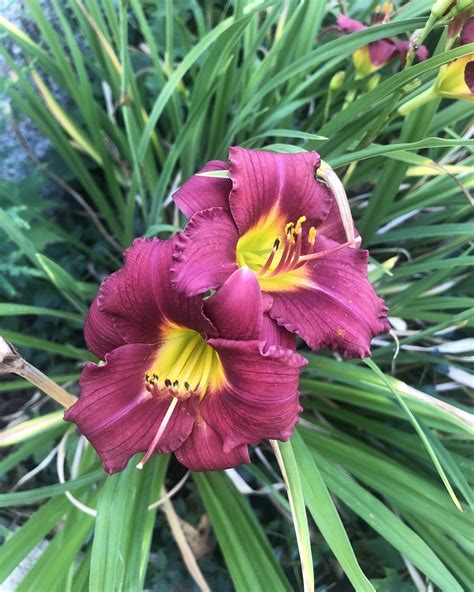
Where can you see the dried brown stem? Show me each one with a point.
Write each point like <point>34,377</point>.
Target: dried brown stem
<point>12,362</point>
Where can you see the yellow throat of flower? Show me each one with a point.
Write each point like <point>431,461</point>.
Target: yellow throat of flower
<point>185,365</point>
<point>362,63</point>
<point>451,81</point>
<point>272,249</point>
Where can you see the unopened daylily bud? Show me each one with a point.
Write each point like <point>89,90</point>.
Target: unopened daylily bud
<point>441,7</point>
<point>373,82</point>
<point>462,5</point>
<point>337,81</point>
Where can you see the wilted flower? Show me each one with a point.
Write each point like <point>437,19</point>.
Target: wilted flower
<point>274,217</point>
<point>202,378</point>
<point>370,58</point>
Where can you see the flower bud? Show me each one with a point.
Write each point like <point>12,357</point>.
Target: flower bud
<point>373,82</point>
<point>337,81</point>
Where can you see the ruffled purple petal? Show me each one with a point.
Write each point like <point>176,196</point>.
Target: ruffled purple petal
<point>348,25</point>
<point>99,332</point>
<point>267,182</point>
<point>403,46</point>
<point>205,252</point>
<point>333,227</point>
<point>339,308</point>
<point>117,414</point>
<point>140,299</point>
<point>201,193</point>
<point>260,397</point>
<point>236,310</point>
<point>276,334</point>
<point>381,51</point>
<point>183,310</point>
<point>204,450</point>
<point>422,53</point>
<point>127,295</point>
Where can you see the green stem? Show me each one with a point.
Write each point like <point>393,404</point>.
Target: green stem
<point>425,97</point>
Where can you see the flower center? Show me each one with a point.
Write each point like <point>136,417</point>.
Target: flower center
<point>185,365</point>
<point>279,261</point>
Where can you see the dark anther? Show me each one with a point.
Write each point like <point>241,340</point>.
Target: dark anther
<point>168,382</point>
<point>276,244</point>
<point>176,383</point>
<point>186,386</point>
<point>155,376</point>
<point>147,377</point>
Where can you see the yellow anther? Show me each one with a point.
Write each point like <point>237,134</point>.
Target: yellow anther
<point>299,222</point>
<point>312,235</point>
<point>288,228</point>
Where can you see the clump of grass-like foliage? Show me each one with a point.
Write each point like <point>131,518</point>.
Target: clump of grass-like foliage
<point>134,97</point>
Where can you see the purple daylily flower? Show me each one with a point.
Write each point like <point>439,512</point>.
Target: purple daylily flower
<point>372,57</point>
<point>272,216</point>
<point>200,378</point>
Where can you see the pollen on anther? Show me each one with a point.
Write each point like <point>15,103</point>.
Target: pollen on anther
<point>312,235</point>
<point>299,222</point>
<point>147,377</point>
<point>288,228</point>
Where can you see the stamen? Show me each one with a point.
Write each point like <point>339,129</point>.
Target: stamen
<point>288,228</point>
<point>287,252</point>
<point>269,261</point>
<point>312,235</point>
<point>297,254</point>
<point>293,257</point>
<point>159,433</point>
<point>298,224</point>
<point>168,383</point>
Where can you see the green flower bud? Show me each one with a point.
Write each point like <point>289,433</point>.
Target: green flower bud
<point>337,81</point>
<point>373,82</point>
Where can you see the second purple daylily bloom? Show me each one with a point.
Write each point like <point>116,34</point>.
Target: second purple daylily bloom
<point>274,217</point>
<point>375,55</point>
<point>201,378</point>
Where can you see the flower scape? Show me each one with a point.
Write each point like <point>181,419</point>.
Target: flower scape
<point>197,334</point>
